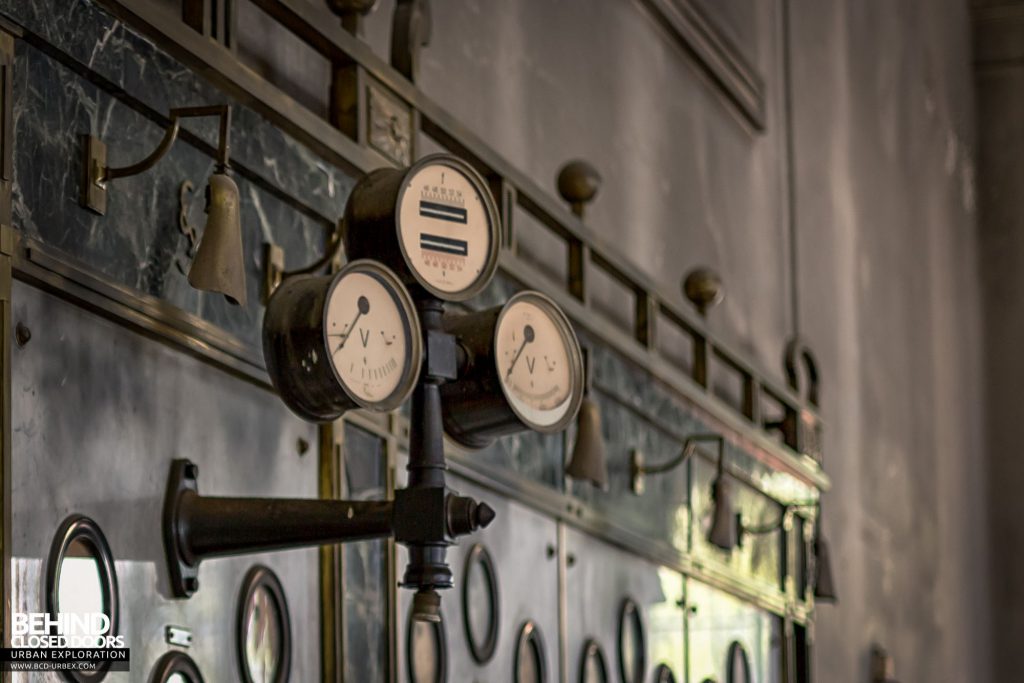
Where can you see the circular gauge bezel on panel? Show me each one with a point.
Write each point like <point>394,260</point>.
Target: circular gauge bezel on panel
<point>530,641</point>
<point>738,658</point>
<point>631,618</point>
<point>482,651</point>
<point>301,340</point>
<point>592,652</point>
<point>258,581</point>
<point>434,205</point>
<point>570,405</point>
<point>175,662</point>
<point>440,645</point>
<point>81,529</point>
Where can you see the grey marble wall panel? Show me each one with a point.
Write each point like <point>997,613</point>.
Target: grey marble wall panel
<point>98,415</point>
<point>138,242</point>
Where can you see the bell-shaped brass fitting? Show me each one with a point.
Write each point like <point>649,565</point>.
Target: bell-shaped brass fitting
<point>219,265</point>
<point>589,462</point>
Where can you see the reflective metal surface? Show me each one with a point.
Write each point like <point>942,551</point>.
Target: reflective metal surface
<point>147,404</point>
<point>718,625</point>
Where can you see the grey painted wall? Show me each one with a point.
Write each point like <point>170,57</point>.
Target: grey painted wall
<point>887,264</point>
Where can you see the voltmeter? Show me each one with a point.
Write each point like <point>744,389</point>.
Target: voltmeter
<point>521,369</point>
<point>343,341</point>
<point>435,222</point>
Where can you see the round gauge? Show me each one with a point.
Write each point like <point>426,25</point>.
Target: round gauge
<point>539,361</point>
<point>263,630</point>
<point>351,340</point>
<point>593,668</point>
<point>447,227</point>
<point>426,651</point>
<point>524,371</point>
<point>738,666</point>
<point>480,604</point>
<point>663,674</point>
<point>435,221</point>
<point>530,664</point>
<point>632,643</point>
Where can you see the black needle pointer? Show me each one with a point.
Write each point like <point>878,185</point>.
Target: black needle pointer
<point>364,307</point>
<point>527,338</point>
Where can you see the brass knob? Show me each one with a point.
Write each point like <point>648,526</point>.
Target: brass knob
<point>578,183</point>
<point>703,287</point>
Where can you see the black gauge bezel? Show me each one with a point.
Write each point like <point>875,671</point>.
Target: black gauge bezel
<point>175,662</point>
<point>631,617</point>
<point>78,527</point>
<point>593,650</point>
<point>493,220</point>
<point>411,327</point>
<point>737,651</point>
<point>441,645</point>
<point>572,343</point>
<point>478,555</point>
<point>531,640</point>
<point>663,674</point>
<point>264,577</point>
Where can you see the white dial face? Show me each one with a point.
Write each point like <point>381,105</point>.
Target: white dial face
<point>535,362</point>
<point>446,230</point>
<point>367,335</point>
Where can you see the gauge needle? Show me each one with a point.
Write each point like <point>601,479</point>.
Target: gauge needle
<point>527,338</point>
<point>364,307</point>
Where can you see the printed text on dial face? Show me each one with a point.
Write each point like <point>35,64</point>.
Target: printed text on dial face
<point>445,228</point>
<point>533,363</point>
<point>366,336</point>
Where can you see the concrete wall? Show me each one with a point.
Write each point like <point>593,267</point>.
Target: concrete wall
<point>887,267</point>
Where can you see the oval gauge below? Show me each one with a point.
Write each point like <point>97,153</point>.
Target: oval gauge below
<point>176,667</point>
<point>530,663</point>
<point>338,342</point>
<point>263,628</point>
<point>480,604</point>
<point>593,665</point>
<point>81,580</point>
<point>632,643</point>
<point>663,674</point>
<point>426,651</point>
<point>738,666</point>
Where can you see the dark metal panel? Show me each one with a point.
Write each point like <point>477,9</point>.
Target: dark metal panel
<point>716,621</point>
<point>523,544</point>
<point>100,412</point>
<point>598,579</point>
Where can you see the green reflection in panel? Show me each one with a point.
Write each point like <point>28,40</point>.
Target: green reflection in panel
<point>716,621</point>
<point>665,624</point>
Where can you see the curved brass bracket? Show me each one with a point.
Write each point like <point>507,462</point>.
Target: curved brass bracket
<point>273,261</point>
<point>97,174</point>
<point>638,469</point>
